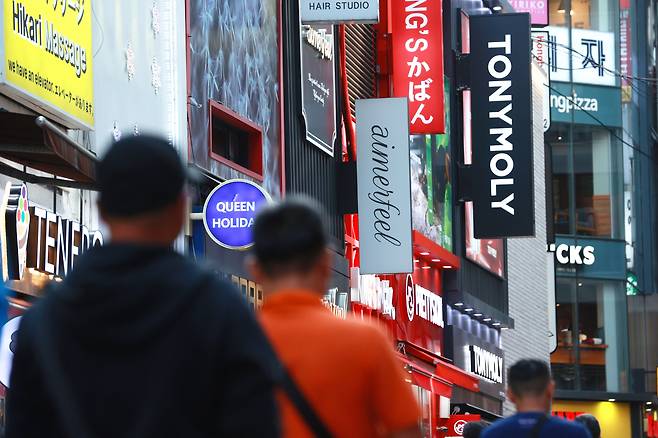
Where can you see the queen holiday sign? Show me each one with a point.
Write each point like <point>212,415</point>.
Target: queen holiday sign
<point>230,211</point>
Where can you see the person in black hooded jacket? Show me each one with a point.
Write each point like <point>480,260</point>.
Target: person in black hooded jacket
<point>138,341</point>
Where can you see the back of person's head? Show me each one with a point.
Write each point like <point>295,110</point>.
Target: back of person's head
<point>141,183</point>
<point>474,429</point>
<point>290,241</point>
<point>591,423</point>
<point>530,385</point>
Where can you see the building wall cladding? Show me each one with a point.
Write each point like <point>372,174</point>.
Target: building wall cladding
<point>308,170</point>
<point>531,275</point>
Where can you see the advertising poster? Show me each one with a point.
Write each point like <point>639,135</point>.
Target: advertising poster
<point>318,84</point>
<point>47,56</point>
<point>431,182</point>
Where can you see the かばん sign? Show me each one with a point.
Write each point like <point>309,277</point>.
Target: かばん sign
<point>501,98</point>
<point>230,211</point>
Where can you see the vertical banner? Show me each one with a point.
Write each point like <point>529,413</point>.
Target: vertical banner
<point>625,47</point>
<point>417,38</point>
<point>501,99</point>
<point>318,85</point>
<point>540,55</point>
<point>384,186</point>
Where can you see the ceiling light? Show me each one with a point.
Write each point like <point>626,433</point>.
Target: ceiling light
<point>580,285</point>
<point>468,309</point>
<point>416,261</point>
<point>557,305</point>
<point>648,409</point>
<point>497,8</point>
<point>459,304</point>
<point>426,267</point>
<point>648,403</point>
<point>425,253</point>
<point>612,400</point>
<point>496,324</point>
<point>447,267</point>
<point>477,314</point>
<point>486,319</point>
<point>436,260</point>
<point>562,8</point>
<point>559,138</point>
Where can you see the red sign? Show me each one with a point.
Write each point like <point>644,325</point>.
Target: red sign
<point>456,424</point>
<point>417,39</point>
<point>567,415</point>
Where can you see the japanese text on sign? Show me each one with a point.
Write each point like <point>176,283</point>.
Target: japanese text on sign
<point>47,58</point>
<point>418,62</point>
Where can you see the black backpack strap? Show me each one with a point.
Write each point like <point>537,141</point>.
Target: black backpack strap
<point>57,387</point>
<point>535,432</point>
<point>302,405</point>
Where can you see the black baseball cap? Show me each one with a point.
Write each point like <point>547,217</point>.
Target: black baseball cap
<point>139,174</point>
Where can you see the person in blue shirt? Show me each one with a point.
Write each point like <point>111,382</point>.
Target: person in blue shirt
<point>531,388</point>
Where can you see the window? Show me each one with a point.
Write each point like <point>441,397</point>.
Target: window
<point>235,141</point>
<point>585,14</point>
<point>594,357</point>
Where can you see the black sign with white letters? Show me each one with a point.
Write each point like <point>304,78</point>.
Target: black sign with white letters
<point>501,102</point>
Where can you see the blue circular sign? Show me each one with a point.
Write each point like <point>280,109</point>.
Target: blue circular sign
<point>230,210</point>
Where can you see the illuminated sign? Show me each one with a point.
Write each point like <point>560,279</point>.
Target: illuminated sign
<point>35,238</point>
<point>486,364</point>
<point>372,292</point>
<point>423,303</point>
<point>573,254</point>
<point>47,57</point>
<point>339,11</point>
<point>417,38</point>
<point>230,211</point>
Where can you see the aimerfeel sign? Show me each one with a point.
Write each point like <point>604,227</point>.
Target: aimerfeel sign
<point>230,211</point>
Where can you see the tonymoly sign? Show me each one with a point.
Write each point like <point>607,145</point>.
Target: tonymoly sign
<point>486,364</point>
<point>503,194</point>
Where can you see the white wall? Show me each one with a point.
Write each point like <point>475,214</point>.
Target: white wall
<point>531,272</point>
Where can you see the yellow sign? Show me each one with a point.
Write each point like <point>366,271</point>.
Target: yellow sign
<point>47,57</point>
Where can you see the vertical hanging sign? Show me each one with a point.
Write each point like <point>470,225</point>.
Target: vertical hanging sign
<point>417,38</point>
<point>501,98</point>
<point>384,186</point>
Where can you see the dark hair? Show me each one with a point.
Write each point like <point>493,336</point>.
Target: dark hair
<point>289,237</point>
<point>529,377</point>
<point>591,423</point>
<point>474,429</point>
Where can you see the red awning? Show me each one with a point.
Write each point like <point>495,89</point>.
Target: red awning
<point>432,253</point>
<point>444,369</point>
<point>419,375</point>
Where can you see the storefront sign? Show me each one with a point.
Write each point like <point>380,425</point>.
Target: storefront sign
<point>35,238</point>
<point>339,11</point>
<point>417,38</point>
<point>538,10</point>
<point>456,424</point>
<point>384,186</point>
<point>625,50</point>
<point>592,56</point>
<point>588,105</point>
<point>423,303</point>
<point>318,85</point>
<point>573,254</point>
<point>372,292</point>
<point>230,210</point>
<point>540,51</point>
<point>486,364</point>
<point>501,98</point>
<point>47,58</point>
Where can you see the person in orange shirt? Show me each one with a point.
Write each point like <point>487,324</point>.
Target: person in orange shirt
<point>346,369</point>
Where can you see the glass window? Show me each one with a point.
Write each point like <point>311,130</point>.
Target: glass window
<point>423,397</point>
<point>558,139</point>
<point>594,357</point>
<point>596,177</point>
<point>585,14</point>
<point>596,186</point>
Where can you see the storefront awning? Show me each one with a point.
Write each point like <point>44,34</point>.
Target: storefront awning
<point>432,253</point>
<point>443,369</point>
<point>37,143</point>
<point>419,375</point>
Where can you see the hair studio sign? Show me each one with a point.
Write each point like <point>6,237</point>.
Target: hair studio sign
<point>35,238</point>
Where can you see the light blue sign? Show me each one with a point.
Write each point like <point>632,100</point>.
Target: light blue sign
<point>230,211</point>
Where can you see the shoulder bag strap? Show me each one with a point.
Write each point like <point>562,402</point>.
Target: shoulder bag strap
<point>302,405</point>
<point>57,386</point>
<point>536,430</point>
